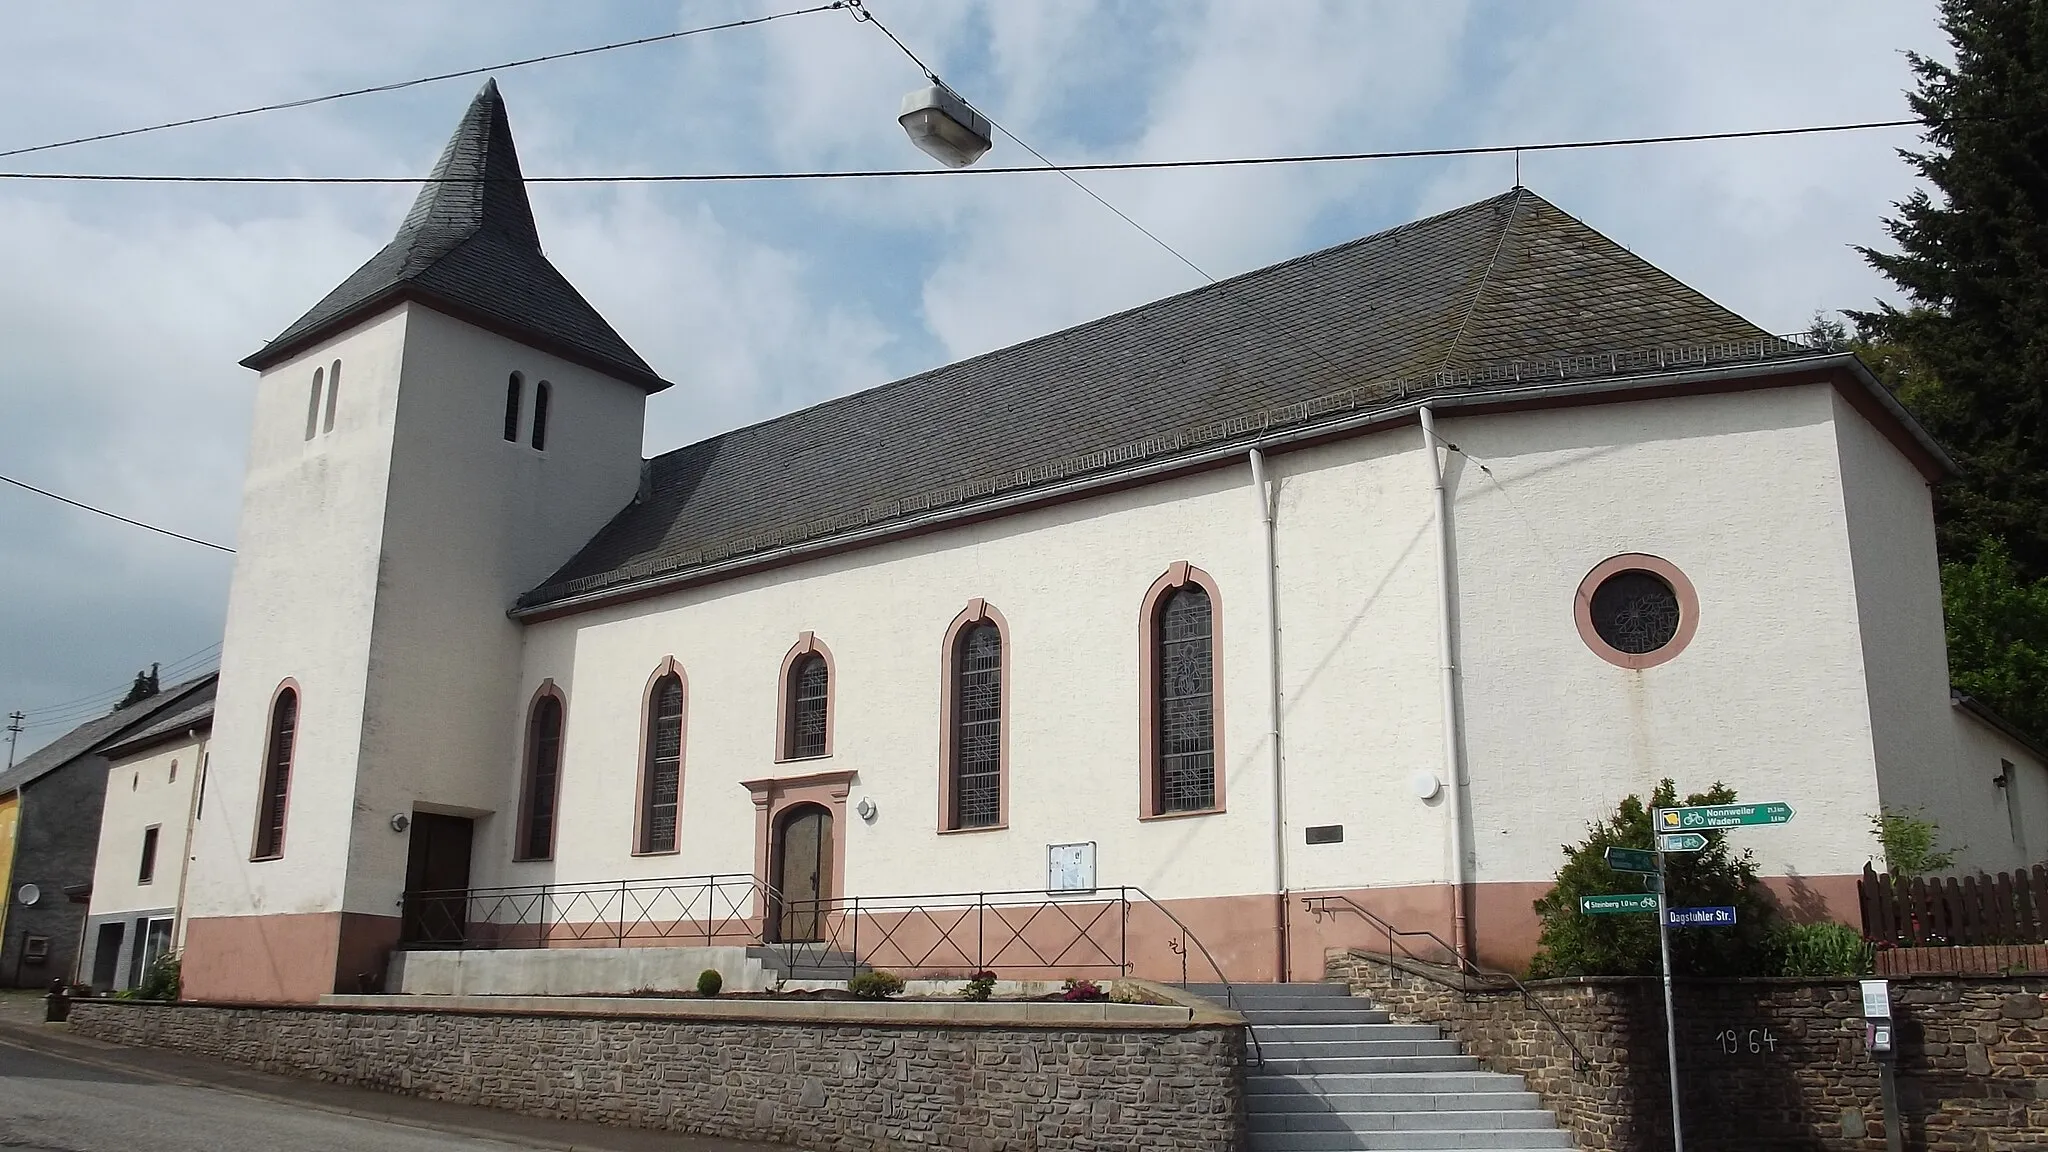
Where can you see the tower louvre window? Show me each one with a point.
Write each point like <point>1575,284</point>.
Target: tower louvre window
<point>513,388</point>
<point>542,393</point>
<point>313,404</point>
<point>333,392</point>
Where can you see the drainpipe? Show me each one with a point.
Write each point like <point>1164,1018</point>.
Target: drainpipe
<point>1272,575</point>
<point>191,828</point>
<point>1460,926</point>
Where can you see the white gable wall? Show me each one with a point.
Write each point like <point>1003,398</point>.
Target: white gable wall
<point>141,793</point>
<point>1994,829</point>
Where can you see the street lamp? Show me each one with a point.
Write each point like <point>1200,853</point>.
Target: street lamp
<point>944,127</point>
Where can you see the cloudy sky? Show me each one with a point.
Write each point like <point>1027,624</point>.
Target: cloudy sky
<point>124,308</point>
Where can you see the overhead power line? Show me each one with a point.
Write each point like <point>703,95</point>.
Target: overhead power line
<point>416,81</point>
<point>1011,170</point>
<point>116,516</point>
<point>100,701</point>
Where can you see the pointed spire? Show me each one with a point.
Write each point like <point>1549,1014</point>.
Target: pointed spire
<point>476,184</point>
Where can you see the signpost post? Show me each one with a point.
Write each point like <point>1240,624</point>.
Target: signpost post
<point>1678,830</point>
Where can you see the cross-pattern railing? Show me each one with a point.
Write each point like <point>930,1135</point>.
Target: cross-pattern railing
<point>706,910</point>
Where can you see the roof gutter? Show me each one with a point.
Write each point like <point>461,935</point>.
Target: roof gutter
<point>1226,452</point>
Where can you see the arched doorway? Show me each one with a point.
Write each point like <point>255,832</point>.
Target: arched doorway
<point>802,855</point>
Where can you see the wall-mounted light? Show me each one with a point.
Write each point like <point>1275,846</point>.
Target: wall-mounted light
<point>866,809</point>
<point>1426,785</point>
<point>401,822</point>
<point>944,127</point>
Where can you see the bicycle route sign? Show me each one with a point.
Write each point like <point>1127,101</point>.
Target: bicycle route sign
<point>1721,816</point>
<point>1618,904</point>
<point>1681,842</point>
<point>1631,860</point>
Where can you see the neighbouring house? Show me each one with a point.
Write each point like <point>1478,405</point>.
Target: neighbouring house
<point>55,796</point>
<point>1996,820</point>
<point>155,781</point>
<point>1372,575</point>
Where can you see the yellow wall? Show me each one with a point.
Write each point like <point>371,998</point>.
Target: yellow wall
<point>10,809</point>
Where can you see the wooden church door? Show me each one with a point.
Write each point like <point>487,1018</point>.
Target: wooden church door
<point>803,872</point>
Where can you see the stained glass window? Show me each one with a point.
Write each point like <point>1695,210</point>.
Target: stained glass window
<point>544,750</point>
<point>1186,713</point>
<point>807,700</point>
<point>978,727</point>
<point>662,788</point>
<point>1635,612</point>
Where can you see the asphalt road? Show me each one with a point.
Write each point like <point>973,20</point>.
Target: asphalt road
<point>50,1104</point>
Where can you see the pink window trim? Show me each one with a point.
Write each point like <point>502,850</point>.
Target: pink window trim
<point>547,689</point>
<point>668,667</point>
<point>977,611</point>
<point>291,772</point>
<point>785,688</point>
<point>1180,575</point>
<point>1688,609</point>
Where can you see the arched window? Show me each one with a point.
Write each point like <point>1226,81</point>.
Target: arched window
<point>974,747</point>
<point>513,385</point>
<point>542,393</point>
<point>804,713</point>
<point>542,777</point>
<point>1182,726</point>
<point>661,774</point>
<point>333,391</point>
<point>277,773</point>
<point>313,405</point>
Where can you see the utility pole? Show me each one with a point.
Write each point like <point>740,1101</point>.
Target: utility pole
<point>14,720</point>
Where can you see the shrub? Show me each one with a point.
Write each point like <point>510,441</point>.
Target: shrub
<point>876,985</point>
<point>709,982</point>
<point>1911,843</point>
<point>1575,944</point>
<point>1821,950</point>
<point>980,985</point>
<point>1083,990</point>
<point>160,980</point>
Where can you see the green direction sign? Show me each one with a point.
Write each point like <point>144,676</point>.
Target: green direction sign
<point>1631,860</point>
<point>1681,842</point>
<point>1721,816</point>
<point>1612,905</point>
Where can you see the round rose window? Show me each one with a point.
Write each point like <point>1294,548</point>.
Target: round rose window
<point>1636,611</point>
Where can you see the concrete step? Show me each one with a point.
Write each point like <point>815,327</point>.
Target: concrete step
<point>1263,1082</point>
<point>1359,1015</point>
<point>1506,1100</point>
<point>1426,1120</point>
<point>1322,1049</point>
<point>1470,1141</point>
<point>1296,1033</point>
<point>1367,1065</point>
<point>1246,992</point>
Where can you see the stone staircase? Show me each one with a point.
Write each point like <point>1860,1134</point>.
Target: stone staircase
<point>1339,1075</point>
<point>804,963</point>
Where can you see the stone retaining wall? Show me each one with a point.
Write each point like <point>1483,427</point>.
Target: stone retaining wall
<point>1764,1064</point>
<point>841,1087</point>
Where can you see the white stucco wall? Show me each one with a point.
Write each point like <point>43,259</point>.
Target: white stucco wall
<point>301,605</point>
<point>1898,594</point>
<point>1993,829</point>
<point>471,521</point>
<point>1741,491</point>
<point>142,793</point>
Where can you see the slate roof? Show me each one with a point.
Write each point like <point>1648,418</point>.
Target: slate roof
<point>469,248</point>
<point>1436,300</point>
<point>92,735</point>
<point>197,712</point>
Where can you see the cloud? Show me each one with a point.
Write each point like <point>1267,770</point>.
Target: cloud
<point>124,309</point>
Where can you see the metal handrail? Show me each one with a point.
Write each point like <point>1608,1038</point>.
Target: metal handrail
<point>1229,995</point>
<point>707,907</point>
<point>1318,906</point>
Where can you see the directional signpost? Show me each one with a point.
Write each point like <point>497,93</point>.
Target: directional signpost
<point>1631,860</point>
<point>1679,830</point>
<point>1721,816</point>
<point>1614,905</point>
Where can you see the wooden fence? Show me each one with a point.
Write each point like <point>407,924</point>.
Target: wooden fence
<point>1970,911</point>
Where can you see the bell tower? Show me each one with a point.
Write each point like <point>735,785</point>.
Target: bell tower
<point>433,438</point>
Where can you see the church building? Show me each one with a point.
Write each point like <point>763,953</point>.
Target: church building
<point>1374,575</point>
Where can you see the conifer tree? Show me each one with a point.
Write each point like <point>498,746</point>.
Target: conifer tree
<point>1974,264</point>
